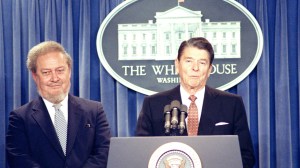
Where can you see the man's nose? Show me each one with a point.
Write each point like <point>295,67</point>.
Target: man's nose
<point>195,66</point>
<point>54,77</point>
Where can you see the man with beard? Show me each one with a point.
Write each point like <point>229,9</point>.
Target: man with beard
<point>57,129</point>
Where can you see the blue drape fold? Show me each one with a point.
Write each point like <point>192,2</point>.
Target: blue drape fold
<point>34,37</point>
<point>84,49</point>
<point>122,108</point>
<point>67,31</point>
<point>3,117</point>
<point>16,57</point>
<point>51,20</point>
<point>263,90</point>
<point>282,107</point>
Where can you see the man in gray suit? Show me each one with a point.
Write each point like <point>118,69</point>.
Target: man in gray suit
<point>218,112</point>
<point>37,138</point>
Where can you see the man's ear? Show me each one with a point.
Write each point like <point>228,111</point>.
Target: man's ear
<point>34,76</point>
<point>70,72</point>
<point>209,70</point>
<point>176,62</point>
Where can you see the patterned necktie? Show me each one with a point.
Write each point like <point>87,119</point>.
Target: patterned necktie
<point>61,127</point>
<point>193,117</point>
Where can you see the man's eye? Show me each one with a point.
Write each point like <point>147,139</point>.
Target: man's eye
<point>60,70</point>
<point>45,72</point>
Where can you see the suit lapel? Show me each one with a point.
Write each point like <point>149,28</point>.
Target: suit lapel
<point>41,116</point>
<point>75,114</point>
<point>174,94</point>
<point>209,112</point>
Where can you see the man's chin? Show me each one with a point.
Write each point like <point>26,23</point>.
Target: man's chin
<point>55,98</point>
<point>194,84</point>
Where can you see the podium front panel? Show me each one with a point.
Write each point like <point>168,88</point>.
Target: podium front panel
<point>214,151</point>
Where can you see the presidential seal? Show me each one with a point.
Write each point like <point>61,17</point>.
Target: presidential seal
<point>174,155</point>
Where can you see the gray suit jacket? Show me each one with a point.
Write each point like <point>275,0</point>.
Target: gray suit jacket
<point>218,106</point>
<point>31,139</point>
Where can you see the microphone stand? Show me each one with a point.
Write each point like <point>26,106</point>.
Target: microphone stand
<point>175,115</point>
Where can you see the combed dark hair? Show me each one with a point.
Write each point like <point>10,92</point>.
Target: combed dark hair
<point>200,43</point>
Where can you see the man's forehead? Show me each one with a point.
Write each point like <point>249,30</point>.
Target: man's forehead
<point>196,56</point>
<point>48,64</point>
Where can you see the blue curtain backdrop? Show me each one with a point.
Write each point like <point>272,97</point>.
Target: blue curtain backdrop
<point>270,92</point>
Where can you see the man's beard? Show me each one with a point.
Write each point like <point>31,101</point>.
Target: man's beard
<point>55,98</point>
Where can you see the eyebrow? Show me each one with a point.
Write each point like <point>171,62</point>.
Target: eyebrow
<point>44,69</point>
<point>202,59</point>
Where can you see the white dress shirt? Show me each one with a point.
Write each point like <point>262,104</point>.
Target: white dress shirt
<point>63,108</point>
<point>199,101</point>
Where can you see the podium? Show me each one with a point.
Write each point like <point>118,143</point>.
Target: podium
<point>212,151</point>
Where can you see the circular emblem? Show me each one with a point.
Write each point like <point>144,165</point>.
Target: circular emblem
<point>174,155</point>
<point>138,49</point>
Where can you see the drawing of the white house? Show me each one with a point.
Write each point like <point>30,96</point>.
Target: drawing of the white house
<point>160,40</point>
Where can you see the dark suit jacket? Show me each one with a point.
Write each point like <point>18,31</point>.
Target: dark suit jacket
<point>31,139</point>
<point>218,106</point>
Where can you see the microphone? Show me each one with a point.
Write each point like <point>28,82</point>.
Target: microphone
<point>183,115</point>
<point>175,105</point>
<point>167,115</point>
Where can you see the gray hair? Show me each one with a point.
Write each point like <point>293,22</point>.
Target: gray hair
<point>45,48</point>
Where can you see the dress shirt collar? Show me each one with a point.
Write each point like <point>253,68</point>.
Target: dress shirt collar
<point>199,101</point>
<point>63,108</point>
<point>185,96</point>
